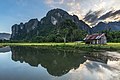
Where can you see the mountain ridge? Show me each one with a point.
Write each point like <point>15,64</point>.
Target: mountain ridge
<point>46,26</point>
<point>49,27</point>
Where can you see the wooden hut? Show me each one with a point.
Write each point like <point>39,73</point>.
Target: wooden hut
<point>95,39</point>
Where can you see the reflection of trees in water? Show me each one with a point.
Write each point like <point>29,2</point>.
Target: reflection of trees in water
<point>57,62</point>
<point>97,56</point>
<point>101,57</point>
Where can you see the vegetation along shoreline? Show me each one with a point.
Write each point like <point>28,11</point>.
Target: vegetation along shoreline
<point>70,46</point>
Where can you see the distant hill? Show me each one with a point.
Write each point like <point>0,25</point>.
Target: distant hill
<point>48,26</point>
<point>111,26</point>
<point>4,36</point>
<point>4,49</point>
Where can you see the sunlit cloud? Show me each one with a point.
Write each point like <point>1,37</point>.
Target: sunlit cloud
<point>111,16</point>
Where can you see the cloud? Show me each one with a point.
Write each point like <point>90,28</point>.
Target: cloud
<point>106,15</point>
<point>92,17</point>
<point>111,16</point>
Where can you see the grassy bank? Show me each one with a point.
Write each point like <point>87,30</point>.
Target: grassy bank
<point>74,45</point>
<point>35,44</point>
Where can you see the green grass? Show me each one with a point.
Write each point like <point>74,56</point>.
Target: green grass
<point>34,44</point>
<point>73,45</point>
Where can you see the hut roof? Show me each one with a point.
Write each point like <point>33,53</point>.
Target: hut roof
<point>94,36</point>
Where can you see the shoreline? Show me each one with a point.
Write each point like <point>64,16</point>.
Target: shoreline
<point>71,46</point>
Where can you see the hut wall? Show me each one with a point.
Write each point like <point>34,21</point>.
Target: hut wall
<point>103,40</point>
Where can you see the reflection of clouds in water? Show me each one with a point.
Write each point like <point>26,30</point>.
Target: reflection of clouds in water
<point>114,64</point>
<point>112,54</point>
<point>91,70</point>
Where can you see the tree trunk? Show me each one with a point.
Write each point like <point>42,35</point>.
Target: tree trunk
<point>64,38</point>
<point>71,38</point>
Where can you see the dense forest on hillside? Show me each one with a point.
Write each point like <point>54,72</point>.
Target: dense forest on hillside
<point>66,31</point>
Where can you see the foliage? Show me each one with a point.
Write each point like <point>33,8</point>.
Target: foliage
<point>66,31</point>
<point>69,31</point>
<point>112,36</point>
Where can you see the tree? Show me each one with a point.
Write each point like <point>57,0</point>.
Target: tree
<point>64,34</point>
<point>67,29</point>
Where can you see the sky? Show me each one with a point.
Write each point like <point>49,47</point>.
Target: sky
<point>91,11</point>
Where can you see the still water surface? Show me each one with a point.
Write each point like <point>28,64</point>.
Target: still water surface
<point>35,63</point>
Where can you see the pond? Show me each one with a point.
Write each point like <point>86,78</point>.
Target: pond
<point>40,63</point>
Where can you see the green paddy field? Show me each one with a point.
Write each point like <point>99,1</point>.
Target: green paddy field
<point>73,45</point>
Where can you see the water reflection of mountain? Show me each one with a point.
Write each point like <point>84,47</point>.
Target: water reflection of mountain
<point>57,62</point>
